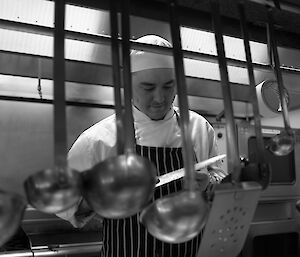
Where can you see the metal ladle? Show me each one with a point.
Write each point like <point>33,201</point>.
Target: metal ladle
<point>264,168</point>
<point>120,186</point>
<point>12,207</point>
<point>283,143</point>
<point>180,216</point>
<point>234,203</point>
<point>57,189</point>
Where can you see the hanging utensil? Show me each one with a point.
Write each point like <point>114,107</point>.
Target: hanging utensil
<point>120,186</point>
<point>263,167</point>
<point>180,216</point>
<point>12,207</point>
<point>283,143</point>
<point>233,203</point>
<point>57,189</point>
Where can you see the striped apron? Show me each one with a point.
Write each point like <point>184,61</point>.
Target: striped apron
<point>128,237</point>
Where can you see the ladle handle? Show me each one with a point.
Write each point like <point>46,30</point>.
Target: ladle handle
<point>182,98</point>
<point>39,87</point>
<point>275,58</point>
<point>60,133</point>
<point>116,75</point>
<point>265,173</point>
<point>129,125</point>
<point>232,149</point>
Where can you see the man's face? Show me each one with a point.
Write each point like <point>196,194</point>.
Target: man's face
<point>154,91</point>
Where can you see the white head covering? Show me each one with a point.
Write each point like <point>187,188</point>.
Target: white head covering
<point>141,60</point>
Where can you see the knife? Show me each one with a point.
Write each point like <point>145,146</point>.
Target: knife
<point>177,174</point>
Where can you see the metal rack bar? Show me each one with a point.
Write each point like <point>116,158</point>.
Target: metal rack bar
<point>103,39</point>
<point>78,250</point>
<point>50,101</point>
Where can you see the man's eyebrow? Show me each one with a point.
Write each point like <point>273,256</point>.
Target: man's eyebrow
<point>169,82</point>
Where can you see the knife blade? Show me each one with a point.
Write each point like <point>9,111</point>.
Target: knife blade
<point>177,174</point>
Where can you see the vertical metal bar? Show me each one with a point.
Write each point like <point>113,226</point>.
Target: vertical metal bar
<point>60,138</point>
<point>265,176</point>
<point>232,149</point>
<point>253,96</point>
<point>116,74</point>
<point>182,98</point>
<point>277,70</point>
<point>129,128</point>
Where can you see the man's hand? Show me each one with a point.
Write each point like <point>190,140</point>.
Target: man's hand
<point>216,174</point>
<point>202,180</point>
<point>83,214</point>
<point>210,176</point>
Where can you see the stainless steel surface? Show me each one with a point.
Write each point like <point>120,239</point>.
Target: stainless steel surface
<point>178,217</point>
<point>11,212</point>
<point>230,216</point>
<point>276,191</point>
<point>289,60</point>
<point>67,250</point>
<point>116,76</point>
<point>184,120</point>
<point>269,228</point>
<point>53,190</point>
<point>283,143</point>
<point>121,186</point>
<point>57,189</point>
<point>25,123</point>
<point>233,161</point>
<point>264,169</point>
<point>227,225</point>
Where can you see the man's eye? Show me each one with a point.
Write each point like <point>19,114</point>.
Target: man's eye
<point>148,88</point>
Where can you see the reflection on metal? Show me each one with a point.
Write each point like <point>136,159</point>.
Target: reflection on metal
<point>90,47</point>
<point>204,42</point>
<point>41,12</point>
<point>68,250</point>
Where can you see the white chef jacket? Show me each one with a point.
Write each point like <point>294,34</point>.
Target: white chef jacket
<point>99,141</point>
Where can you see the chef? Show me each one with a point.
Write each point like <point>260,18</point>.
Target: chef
<point>158,137</point>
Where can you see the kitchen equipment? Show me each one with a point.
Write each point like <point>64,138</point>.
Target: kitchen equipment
<point>120,186</point>
<point>180,216</point>
<point>12,207</point>
<point>283,143</point>
<point>233,203</point>
<point>57,189</point>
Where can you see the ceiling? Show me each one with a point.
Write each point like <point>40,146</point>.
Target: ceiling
<point>26,50</point>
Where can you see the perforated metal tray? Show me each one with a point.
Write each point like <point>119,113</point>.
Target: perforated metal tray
<point>231,213</point>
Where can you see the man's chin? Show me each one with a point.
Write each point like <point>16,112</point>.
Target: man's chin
<point>156,116</point>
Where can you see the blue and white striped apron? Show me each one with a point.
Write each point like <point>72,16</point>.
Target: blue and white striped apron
<point>128,237</point>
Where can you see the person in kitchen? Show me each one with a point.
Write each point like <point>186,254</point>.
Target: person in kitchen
<point>158,137</point>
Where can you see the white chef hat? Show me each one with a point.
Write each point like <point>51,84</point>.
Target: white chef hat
<point>141,60</point>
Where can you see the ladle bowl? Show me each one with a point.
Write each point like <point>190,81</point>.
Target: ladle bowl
<point>53,190</point>
<point>119,186</point>
<point>176,218</point>
<point>282,144</point>
<point>11,211</point>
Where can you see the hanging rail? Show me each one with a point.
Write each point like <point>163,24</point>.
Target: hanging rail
<point>103,39</point>
<point>68,250</point>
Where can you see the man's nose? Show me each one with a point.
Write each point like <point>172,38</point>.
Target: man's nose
<point>158,96</point>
